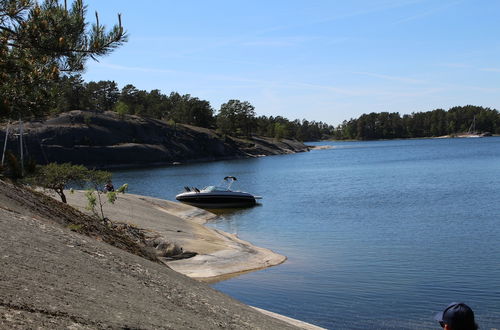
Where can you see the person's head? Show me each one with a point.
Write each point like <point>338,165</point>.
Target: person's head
<point>457,316</point>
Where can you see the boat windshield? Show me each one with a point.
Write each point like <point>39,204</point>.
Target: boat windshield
<point>213,188</point>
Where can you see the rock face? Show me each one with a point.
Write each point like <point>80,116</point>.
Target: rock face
<point>52,277</point>
<point>106,140</point>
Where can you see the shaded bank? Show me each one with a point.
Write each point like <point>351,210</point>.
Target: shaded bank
<point>107,140</point>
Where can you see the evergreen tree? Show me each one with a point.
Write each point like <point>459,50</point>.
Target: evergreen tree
<point>236,117</point>
<point>39,41</point>
<point>101,96</point>
<point>71,94</point>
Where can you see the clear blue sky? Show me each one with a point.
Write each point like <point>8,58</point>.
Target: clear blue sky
<point>320,60</point>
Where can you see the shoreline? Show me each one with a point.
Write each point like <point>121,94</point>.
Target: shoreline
<point>65,269</point>
<point>134,166</point>
<point>452,136</point>
<point>219,255</point>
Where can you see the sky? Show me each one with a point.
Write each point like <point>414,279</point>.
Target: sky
<point>319,60</point>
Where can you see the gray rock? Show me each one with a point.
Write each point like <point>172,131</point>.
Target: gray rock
<point>105,140</point>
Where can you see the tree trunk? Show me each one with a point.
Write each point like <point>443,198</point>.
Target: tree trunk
<point>100,203</point>
<point>61,194</point>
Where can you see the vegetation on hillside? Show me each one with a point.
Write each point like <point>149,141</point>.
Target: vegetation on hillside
<point>235,117</point>
<point>238,118</point>
<point>59,177</point>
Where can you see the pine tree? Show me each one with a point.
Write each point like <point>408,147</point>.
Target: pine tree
<point>39,42</point>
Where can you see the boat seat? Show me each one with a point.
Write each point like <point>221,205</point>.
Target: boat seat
<point>186,188</point>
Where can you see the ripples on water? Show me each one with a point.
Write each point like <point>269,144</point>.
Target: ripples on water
<point>378,234</point>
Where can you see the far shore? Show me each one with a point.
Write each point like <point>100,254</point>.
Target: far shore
<point>452,136</point>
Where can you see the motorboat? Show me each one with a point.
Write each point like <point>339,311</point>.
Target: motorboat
<point>215,197</point>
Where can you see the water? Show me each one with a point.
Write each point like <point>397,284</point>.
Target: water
<point>378,235</point>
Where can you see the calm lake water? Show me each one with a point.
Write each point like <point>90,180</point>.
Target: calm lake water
<point>378,235</point>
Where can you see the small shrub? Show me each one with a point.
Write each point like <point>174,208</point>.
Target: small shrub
<point>74,227</point>
<point>86,141</point>
<point>12,167</point>
<point>87,119</point>
<point>57,177</point>
<point>121,109</point>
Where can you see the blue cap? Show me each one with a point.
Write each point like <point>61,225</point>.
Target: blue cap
<point>457,316</point>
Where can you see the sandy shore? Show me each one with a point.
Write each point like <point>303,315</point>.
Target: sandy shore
<point>219,254</point>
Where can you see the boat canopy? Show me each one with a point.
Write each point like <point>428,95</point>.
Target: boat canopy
<point>214,188</point>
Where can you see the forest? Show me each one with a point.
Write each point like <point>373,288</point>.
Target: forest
<point>234,117</point>
<point>239,118</point>
<point>438,122</point>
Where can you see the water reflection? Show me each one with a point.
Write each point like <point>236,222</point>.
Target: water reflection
<point>230,212</point>
<point>229,219</point>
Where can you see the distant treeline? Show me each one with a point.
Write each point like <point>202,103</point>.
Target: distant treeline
<point>238,118</point>
<point>235,117</point>
<point>437,122</point>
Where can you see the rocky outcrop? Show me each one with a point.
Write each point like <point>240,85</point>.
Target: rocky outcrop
<point>58,273</point>
<point>106,140</point>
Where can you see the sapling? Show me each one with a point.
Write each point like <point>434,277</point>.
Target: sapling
<point>95,196</point>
